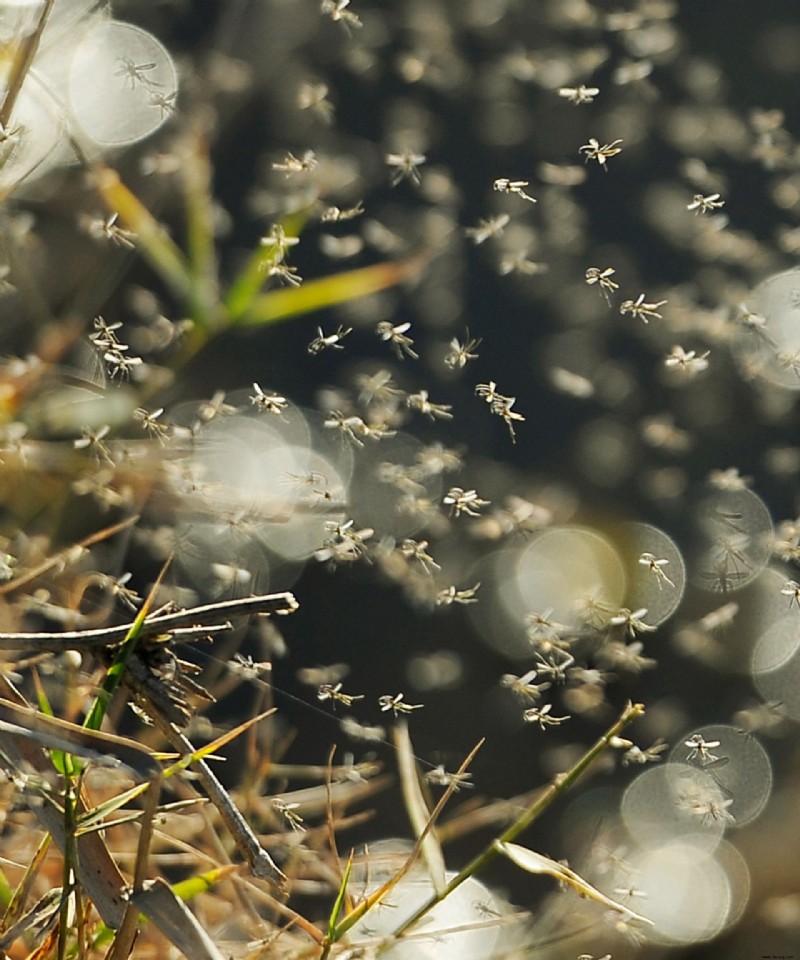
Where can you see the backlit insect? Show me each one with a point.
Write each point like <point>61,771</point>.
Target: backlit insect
<point>10,139</point>
<point>396,704</point>
<point>579,94</point>
<point>655,567</point>
<point>268,402</point>
<point>133,73</point>
<point>328,341</point>
<point>504,185</point>
<point>603,279</point>
<point>150,423</point>
<point>593,150</point>
<point>396,335</point>
<point>333,692</point>
<point>700,752</point>
<point>641,309</point>
<point>164,101</point>
<point>293,164</point>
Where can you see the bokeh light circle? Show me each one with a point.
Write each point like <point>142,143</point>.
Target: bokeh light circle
<point>769,340</point>
<point>739,765</point>
<point>458,928</point>
<point>499,620</point>
<point>686,891</point>
<point>391,484</point>
<point>33,148</point>
<point>673,802</point>
<point>656,572</point>
<point>776,664</point>
<point>122,83</point>
<point>564,570</point>
<point>255,494</point>
<point>734,537</point>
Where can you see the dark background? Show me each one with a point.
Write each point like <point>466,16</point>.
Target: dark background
<point>353,615</point>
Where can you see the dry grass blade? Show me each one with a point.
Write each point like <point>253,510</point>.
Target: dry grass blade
<point>560,784</point>
<point>22,63</point>
<point>174,919</point>
<point>104,749</point>
<point>126,935</point>
<point>355,915</point>
<point>261,863</point>
<point>313,800</point>
<point>16,904</point>
<point>417,808</point>
<point>96,870</point>
<point>534,862</point>
<point>36,923</point>
<point>24,577</point>
<point>94,819</point>
<point>478,814</point>
<point>206,615</point>
<point>48,945</point>
<point>116,671</point>
<point>220,741</point>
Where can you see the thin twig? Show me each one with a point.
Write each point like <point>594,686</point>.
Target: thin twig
<point>560,784</point>
<point>261,863</point>
<point>97,537</point>
<point>96,870</point>
<point>22,62</point>
<point>128,931</point>
<point>346,923</point>
<point>85,640</point>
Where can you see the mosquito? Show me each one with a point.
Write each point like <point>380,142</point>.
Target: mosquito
<point>579,94</point>
<point>150,422</point>
<point>268,402</point>
<point>396,704</point>
<point>593,150</point>
<point>603,279</point>
<point>333,692</point>
<point>656,567</point>
<point>700,752</point>
<point>133,73</point>
<point>164,101</point>
<point>327,341</point>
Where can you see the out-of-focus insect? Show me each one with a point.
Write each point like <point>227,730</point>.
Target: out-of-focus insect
<point>133,73</point>
<point>593,150</point>
<point>333,692</point>
<point>328,341</point>
<point>579,94</point>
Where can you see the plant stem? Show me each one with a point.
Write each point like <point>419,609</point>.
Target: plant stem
<point>560,784</point>
<point>272,603</point>
<point>22,62</point>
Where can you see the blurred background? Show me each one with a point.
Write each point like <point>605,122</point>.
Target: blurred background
<point>430,127</point>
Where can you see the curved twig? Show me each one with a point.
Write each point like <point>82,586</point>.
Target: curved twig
<point>207,615</point>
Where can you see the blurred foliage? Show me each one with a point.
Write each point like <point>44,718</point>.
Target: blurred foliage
<point>526,449</point>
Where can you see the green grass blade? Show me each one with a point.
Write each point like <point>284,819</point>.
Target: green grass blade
<point>339,902</point>
<point>251,278</point>
<point>202,882</point>
<point>152,239</point>
<point>202,752</point>
<point>115,671</point>
<point>201,251</point>
<point>328,291</point>
<point>556,789</point>
<point>63,762</point>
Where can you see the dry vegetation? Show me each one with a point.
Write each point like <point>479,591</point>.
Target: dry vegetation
<point>344,321</point>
